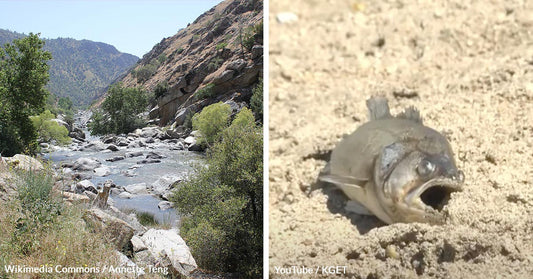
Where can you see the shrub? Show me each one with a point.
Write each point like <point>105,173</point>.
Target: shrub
<point>215,63</point>
<point>48,130</point>
<point>180,50</point>
<point>119,111</point>
<point>205,92</point>
<point>146,218</point>
<point>222,203</point>
<point>161,89</point>
<point>144,73</point>
<point>256,102</point>
<point>210,122</point>
<point>221,46</point>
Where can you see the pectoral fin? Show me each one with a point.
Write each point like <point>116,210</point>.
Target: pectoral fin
<point>351,186</point>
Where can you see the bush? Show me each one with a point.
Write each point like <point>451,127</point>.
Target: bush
<point>210,122</point>
<point>161,89</point>
<point>48,130</point>
<point>36,229</point>
<point>205,92</point>
<point>223,202</point>
<point>221,46</point>
<point>146,218</point>
<point>144,73</point>
<point>256,102</point>
<point>119,111</point>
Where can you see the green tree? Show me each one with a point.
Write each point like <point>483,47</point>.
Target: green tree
<point>23,75</point>
<point>120,110</point>
<point>223,203</point>
<point>256,102</point>
<point>211,121</point>
<point>48,130</point>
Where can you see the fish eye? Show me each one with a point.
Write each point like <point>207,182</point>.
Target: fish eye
<point>425,168</point>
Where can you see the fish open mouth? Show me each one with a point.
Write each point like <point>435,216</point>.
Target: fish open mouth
<point>437,196</point>
<point>434,194</point>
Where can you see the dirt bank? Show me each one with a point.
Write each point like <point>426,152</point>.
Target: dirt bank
<point>468,67</point>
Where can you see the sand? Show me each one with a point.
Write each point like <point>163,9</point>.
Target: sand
<point>468,67</point>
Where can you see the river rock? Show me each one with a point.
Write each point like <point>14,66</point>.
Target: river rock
<point>150,161</point>
<point>77,133</point>
<point>137,189</point>
<point>115,230</point>
<point>122,141</point>
<point>23,162</point>
<point>195,147</point>
<point>153,155</point>
<point>86,164</point>
<point>128,173</point>
<point>164,205</point>
<point>125,195</point>
<point>164,184</point>
<point>189,140</point>
<point>149,132</point>
<point>85,185</point>
<point>168,245</point>
<point>116,158</point>
<point>108,139</point>
<point>149,140</point>
<point>102,171</point>
<point>134,154</point>
<point>94,146</point>
<point>112,147</point>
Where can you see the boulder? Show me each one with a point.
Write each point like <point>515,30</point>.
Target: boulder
<point>137,189</point>
<point>102,171</point>
<point>62,123</point>
<point>114,229</point>
<point>189,140</point>
<point>122,141</point>
<point>257,51</point>
<point>153,155</point>
<point>125,195</point>
<point>149,132</point>
<point>77,133</point>
<point>75,198</point>
<point>164,184</point>
<point>85,185</point>
<point>116,158</point>
<point>134,154</point>
<point>86,164</point>
<point>112,147</point>
<point>7,187</point>
<point>23,162</point>
<point>168,245</point>
<point>164,205</point>
<point>108,139</point>
<point>138,244</point>
<point>195,147</point>
<point>236,65</point>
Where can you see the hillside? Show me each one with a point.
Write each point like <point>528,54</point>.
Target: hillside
<point>218,57</point>
<point>81,70</point>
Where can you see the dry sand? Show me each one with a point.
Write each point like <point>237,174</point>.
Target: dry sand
<point>470,65</point>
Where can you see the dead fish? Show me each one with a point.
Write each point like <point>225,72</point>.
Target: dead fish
<point>395,167</point>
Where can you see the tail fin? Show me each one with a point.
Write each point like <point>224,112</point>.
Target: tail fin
<point>378,108</point>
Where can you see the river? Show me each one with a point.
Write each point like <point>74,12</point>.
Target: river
<point>174,163</point>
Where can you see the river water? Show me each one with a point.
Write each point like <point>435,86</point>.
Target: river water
<point>175,163</point>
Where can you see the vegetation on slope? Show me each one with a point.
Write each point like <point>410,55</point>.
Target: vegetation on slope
<point>80,70</point>
<point>223,203</point>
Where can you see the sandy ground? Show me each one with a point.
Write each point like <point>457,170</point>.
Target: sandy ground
<point>468,67</point>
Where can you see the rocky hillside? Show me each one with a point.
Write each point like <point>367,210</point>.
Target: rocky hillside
<point>80,70</point>
<point>218,57</point>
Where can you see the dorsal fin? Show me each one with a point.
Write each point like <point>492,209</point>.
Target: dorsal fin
<point>411,113</point>
<point>378,108</point>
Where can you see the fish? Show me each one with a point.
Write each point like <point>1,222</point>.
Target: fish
<point>395,167</point>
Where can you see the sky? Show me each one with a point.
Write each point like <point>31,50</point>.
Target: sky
<point>133,26</point>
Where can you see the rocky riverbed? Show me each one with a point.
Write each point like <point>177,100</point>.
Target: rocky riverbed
<point>144,166</point>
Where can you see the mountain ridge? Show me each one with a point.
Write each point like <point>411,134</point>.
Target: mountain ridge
<point>80,69</point>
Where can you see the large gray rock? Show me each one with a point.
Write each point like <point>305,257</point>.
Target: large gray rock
<point>23,162</point>
<point>137,189</point>
<point>164,184</point>
<point>85,185</point>
<point>86,164</point>
<point>102,171</point>
<point>168,245</point>
<point>129,265</point>
<point>236,65</point>
<point>114,229</point>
